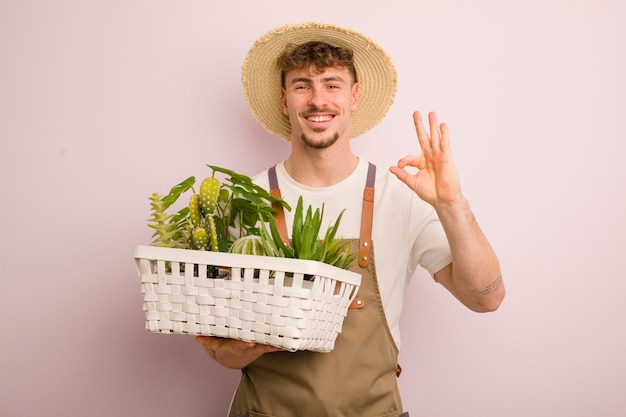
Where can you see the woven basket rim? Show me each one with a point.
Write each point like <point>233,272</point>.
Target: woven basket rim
<point>247,261</point>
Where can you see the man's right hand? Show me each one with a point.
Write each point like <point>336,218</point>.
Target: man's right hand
<point>233,353</point>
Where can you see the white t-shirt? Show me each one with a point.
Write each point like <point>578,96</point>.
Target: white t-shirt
<point>406,231</point>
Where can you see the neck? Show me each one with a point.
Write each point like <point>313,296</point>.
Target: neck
<point>321,167</point>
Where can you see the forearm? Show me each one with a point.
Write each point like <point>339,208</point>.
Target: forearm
<point>475,277</point>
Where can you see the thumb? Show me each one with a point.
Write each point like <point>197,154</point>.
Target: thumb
<point>402,175</point>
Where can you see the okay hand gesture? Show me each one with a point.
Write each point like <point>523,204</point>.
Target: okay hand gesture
<point>436,180</point>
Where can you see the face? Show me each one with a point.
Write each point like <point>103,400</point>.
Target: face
<point>319,105</point>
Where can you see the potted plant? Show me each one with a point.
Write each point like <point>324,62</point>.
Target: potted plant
<point>218,214</point>
<point>233,216</point>
<point>293,294</point>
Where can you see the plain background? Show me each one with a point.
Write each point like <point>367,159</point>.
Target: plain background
<point>104,102</point>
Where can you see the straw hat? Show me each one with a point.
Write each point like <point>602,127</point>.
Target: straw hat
<point>261,76</point>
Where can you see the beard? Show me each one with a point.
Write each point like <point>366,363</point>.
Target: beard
<point>320,144</point>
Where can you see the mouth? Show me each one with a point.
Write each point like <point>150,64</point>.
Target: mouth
<point>319,118</point>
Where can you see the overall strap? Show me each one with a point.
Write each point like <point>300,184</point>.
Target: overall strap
<point>367,217</point>
<point>279,215</point>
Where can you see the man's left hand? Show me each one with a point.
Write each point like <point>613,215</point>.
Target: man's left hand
<point>436,180</point>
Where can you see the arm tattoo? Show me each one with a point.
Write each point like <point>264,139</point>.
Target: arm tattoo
<point>492,287</point>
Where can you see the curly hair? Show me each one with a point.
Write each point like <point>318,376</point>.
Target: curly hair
<point>318,55</point>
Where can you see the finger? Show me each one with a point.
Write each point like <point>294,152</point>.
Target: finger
<point>206,340</point>
<point>422,135</point>
<point>445,138</point>
<point>270,348</point>
<point>240,345</point>
<point>421,162</point>
<point>409,160</point>
<point>435,142</point>
<point>402,175</point>
<point>215,343</point>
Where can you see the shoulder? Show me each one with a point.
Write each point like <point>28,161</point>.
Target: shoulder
<point>392,195</point>
<point>389,187</point>
<point>262,179</point>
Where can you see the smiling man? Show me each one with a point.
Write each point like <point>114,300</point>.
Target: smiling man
<point>319,94</point>
<point>318,99</point>
<point>318,86</point>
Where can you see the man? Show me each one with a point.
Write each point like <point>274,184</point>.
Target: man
<point>318,86</point>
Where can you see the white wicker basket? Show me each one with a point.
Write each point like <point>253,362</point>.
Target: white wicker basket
<point>265,300</point>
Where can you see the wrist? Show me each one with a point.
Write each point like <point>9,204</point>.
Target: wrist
<point>458,207</point>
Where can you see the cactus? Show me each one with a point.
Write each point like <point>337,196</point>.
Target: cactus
<point>195,214</point>
<point>212,233</point>
<point>200,238</point>
<point>248,245</point>
<point>209,193</point>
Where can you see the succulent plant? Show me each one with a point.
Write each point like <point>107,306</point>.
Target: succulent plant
<point>305,242</point>
<point>167,233</point>
<point>248,245</point>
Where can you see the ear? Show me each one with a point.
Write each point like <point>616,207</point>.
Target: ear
<point>283,101</point>
<point>355,97</point>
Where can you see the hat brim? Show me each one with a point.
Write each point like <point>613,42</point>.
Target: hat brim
<point>261,76</point>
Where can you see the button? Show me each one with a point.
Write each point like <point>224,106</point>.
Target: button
<point>358,302</point>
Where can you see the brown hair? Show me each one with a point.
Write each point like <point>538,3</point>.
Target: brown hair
<point>318,55</point>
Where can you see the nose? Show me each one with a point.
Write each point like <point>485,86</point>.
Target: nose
<point>317,98</point>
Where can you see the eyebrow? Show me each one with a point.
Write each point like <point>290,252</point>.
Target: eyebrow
<point>309,80</point>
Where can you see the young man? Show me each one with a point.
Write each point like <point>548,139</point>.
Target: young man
<point>318,86</point>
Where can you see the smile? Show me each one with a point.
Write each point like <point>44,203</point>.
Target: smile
<point>318,119</point>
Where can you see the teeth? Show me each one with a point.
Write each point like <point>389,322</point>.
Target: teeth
<point>319,118</point>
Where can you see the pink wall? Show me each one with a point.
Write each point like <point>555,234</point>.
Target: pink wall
<point>103,103</point>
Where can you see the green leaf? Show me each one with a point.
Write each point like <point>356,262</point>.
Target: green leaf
<point>243,185</point>
<point>268,242</point>
<point>224,245</point>
<point>224,195</point>
<point>176,191</point>
<point>282,246</point>
<point>296,230</point>
<point>332,232</point>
